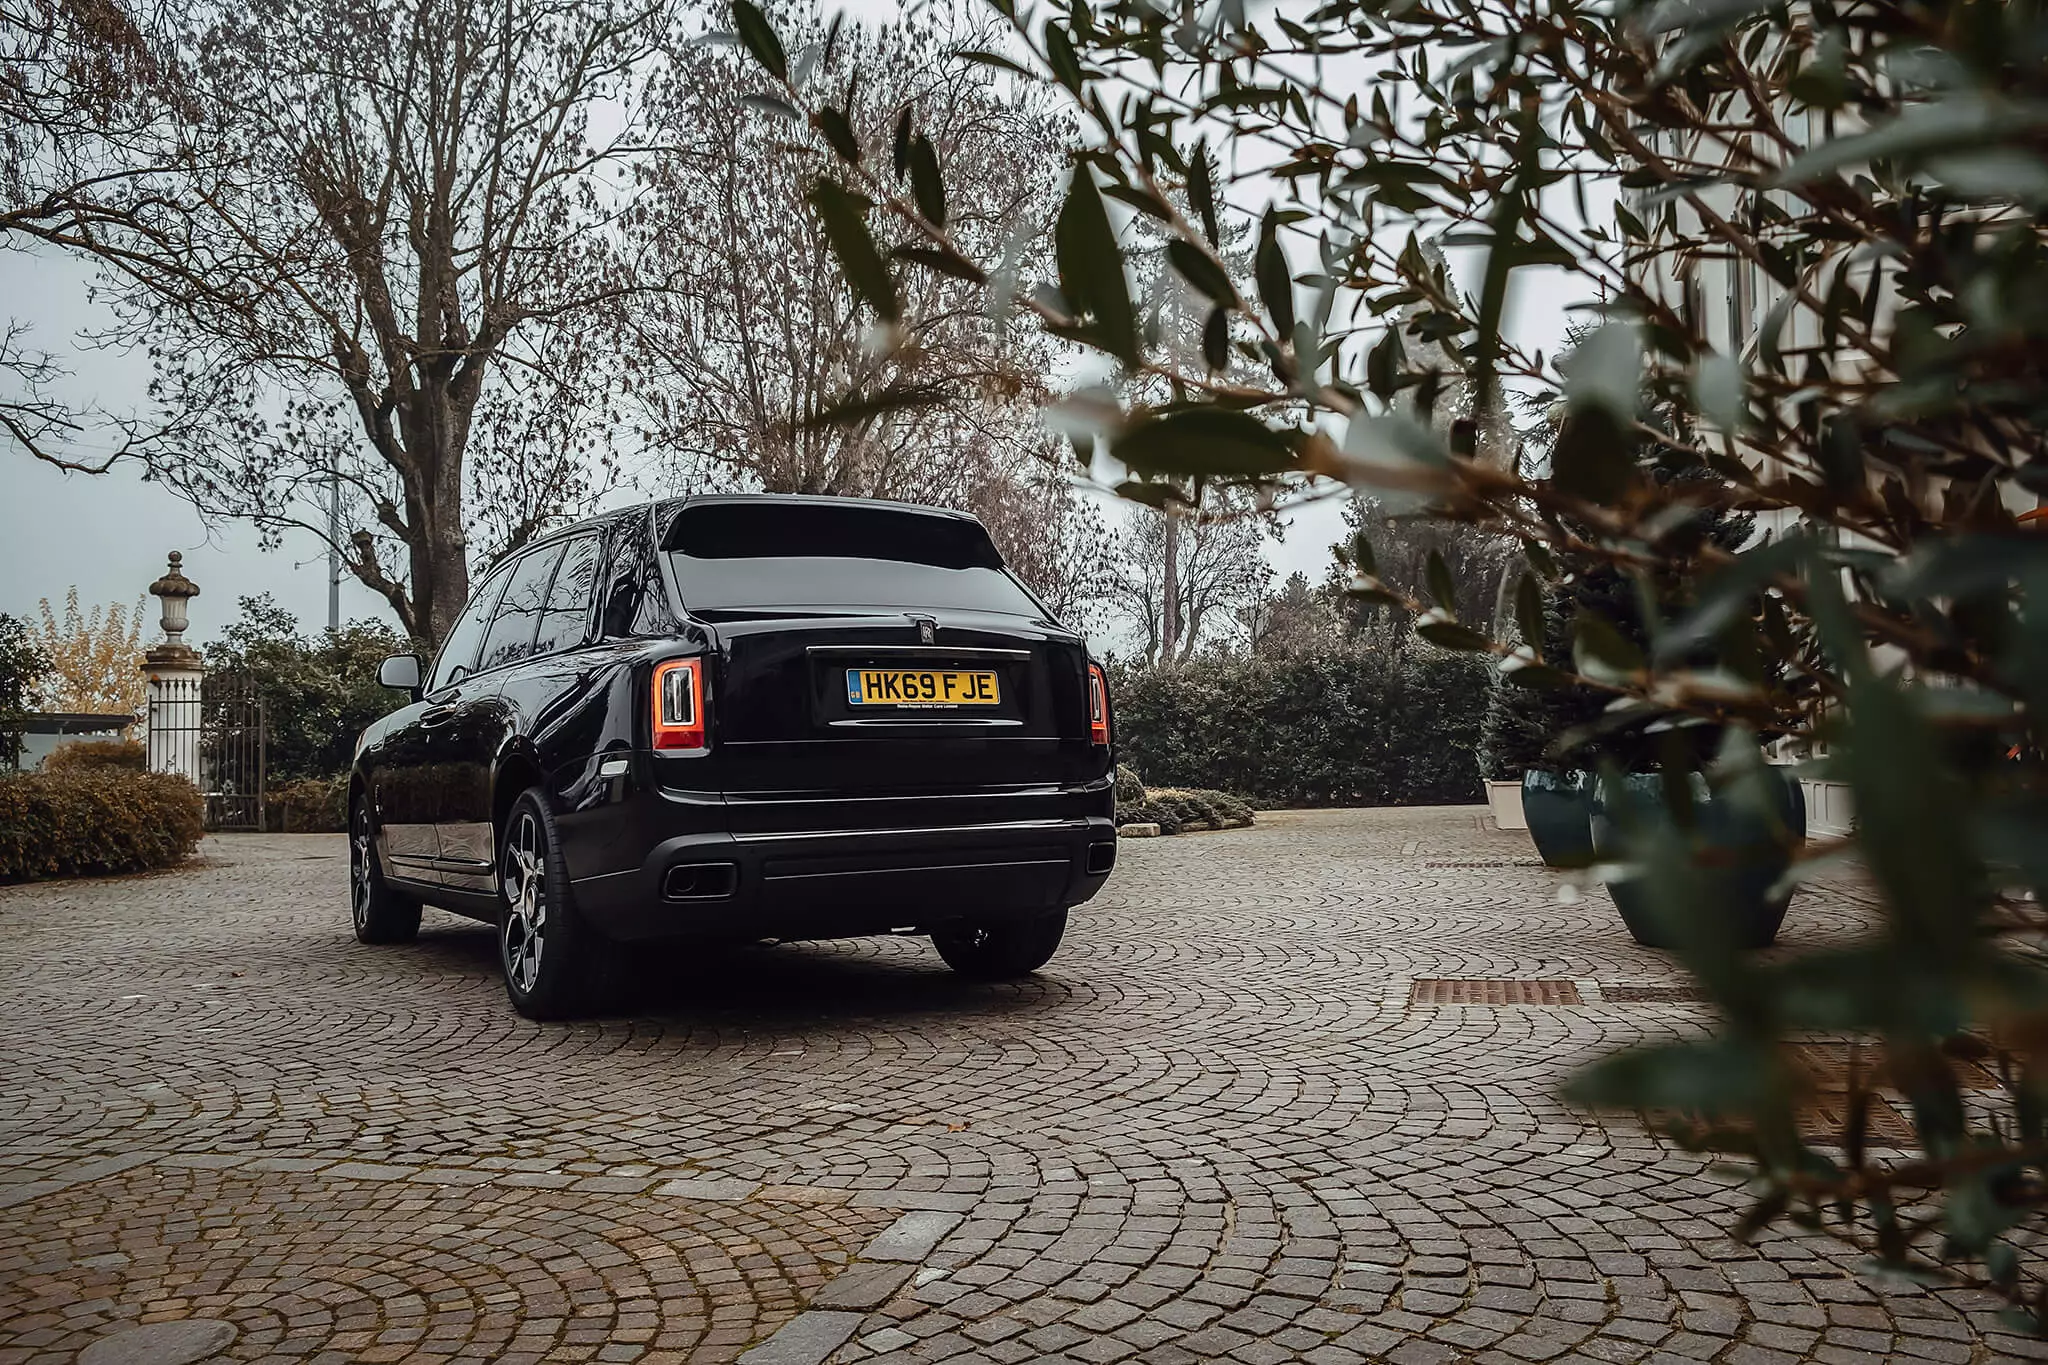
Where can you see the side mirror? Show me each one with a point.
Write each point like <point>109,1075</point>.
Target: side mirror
<point>401,673</point>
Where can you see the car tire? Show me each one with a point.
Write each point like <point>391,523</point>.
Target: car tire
<point>380,914</point>
<point>1002,952</point>
<point>549,957</point>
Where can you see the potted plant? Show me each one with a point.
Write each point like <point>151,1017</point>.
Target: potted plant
<point>1557,804</point>
<point>1741,827</point>
<point>1550,791</point>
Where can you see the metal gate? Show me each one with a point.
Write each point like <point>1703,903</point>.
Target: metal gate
<point>233,744</point>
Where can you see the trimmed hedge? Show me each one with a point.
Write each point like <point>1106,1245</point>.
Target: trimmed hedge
<point>95,821</point>
<point>87,755</point>
<point>1357,726</point>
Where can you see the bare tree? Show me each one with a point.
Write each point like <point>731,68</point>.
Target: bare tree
<point>1482,564</point>
<point>388,259</point>
<point>83,91</point>
<point>757,372</point>
<point>1058,543</point>
<point>1297,620</point>
<point>1216,570</point>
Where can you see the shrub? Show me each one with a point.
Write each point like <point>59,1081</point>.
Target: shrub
<point>1359,725</point>
<point>1821,287</point>
<point>22,665</point>
<point>93,755</point>
<point>318,692</point>
<point>92,821</point>
<point>309,805</point>
<point>1174,810</point>
<point>1191,807</point>
<point>1129,790</point>
<point>1148,813</point>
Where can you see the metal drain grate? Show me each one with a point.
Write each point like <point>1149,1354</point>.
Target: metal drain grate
<point>1458,991</point>
<point>1829,1062</point>
<point>1653,995</point>
<point>1821,1123</point>
<point>1484,862</point>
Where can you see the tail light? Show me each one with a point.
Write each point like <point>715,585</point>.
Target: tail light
<point>679,705</point>
<point>1098,706</point>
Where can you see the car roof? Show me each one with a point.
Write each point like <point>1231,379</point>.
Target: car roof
<point>662,509</point>
<point>804,500</point>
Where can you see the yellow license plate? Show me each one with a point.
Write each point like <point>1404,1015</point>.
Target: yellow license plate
<point>920,687</point>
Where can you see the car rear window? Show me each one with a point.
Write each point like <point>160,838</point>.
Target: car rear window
<point>753,555</point>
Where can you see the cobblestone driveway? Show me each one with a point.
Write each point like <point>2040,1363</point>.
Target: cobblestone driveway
<point>1215,1128</point>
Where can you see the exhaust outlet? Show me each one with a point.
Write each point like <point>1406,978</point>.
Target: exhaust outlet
<point>700,881</point>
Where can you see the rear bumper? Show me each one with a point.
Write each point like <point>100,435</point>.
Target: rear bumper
<point>842,883</point>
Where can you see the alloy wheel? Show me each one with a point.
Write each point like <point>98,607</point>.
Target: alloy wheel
<point>523,873</point>
<point>361,866</point>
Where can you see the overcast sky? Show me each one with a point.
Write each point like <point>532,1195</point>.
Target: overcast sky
<point>109,534</point>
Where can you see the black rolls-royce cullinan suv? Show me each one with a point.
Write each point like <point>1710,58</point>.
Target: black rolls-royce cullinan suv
<point>740,718</point>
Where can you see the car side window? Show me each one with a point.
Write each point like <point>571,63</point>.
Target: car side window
<point>458,651</point>
<point>518,615</point>
<point>626,562</point>
<point>567,617</point>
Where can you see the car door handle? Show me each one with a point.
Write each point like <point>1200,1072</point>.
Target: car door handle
<point>434,715</point>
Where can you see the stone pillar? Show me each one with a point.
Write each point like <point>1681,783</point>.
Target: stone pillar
<point>176,673</point>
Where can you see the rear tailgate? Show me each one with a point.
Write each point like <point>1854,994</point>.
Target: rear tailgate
<point>875,668</point>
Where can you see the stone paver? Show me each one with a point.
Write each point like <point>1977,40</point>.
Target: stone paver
<point>1216,1128</point>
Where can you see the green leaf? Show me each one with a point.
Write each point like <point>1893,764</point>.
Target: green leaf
<point>1770,337</point>
<point>1442,588</point>
<point>838,131</point>
<point>1606,371</point>
<point>1363,560</point>
<point>1092,268</point>
<point>1909,810</point>
<point>1960,122</point>
<point>1529,613</point>
<point>856,408</point>
<point>1205,442</point>
<point>1141,199</point>
<point>1728,591</point>
<point>1201,192</point>
<point>768,104</point>
<point>1451,635</point>
<point>1276,283</point>
<point>1601,653</point>
<point>1199,270</point>
<point>1059,55</point>
<point>1503,225</point>
<point>926,186</point>
<point>1383,364</point>
<point>1717,389</point>
<point>844,218</point>
<point>1711,1078</point>
<point>1392,441</point>
<point>758,36</point>
<point>1216,339</point>
<point>945,262</point>
<point>998,61</point>
<point>1593,456</point>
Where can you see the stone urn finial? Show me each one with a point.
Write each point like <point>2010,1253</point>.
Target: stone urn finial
<point>175,590</point>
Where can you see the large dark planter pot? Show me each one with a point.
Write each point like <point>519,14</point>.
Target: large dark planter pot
<point>1559,807</point>
<point>1741,855</point>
